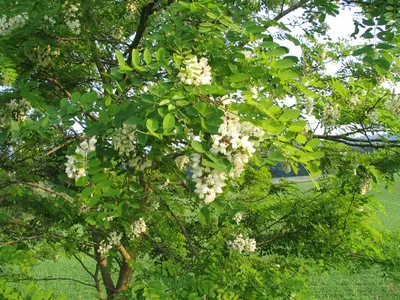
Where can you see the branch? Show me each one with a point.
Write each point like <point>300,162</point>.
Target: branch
<point>146,11</point>
<point>84,266</point>
<point>53,278</point>
<point>290,9</point>
<point>31,184</point>
<point>372,143</point>
<point>59,146</point>
<point>183,229</point>
<point>20,240</point>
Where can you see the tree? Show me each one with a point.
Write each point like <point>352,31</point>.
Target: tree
<point>139,133</point>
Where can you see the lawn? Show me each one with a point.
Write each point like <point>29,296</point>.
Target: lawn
<point>369,284</point>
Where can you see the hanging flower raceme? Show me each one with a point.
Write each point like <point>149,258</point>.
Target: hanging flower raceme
<point>77,164</point>
<point>237,142</point>
<point>393,104</point>
<point>242,244</point>
<point>12,23</point>
<point>138,227</point>
<point>330,114</point>
<point>106,245</point>
<point>14,110</point>
<point>124,141</point>
<point>196,72</point>
<point>238,217</point>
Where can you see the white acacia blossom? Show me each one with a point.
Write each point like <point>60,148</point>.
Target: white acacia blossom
<point>43,55</point>
<point>238,217</point>
<point>77,164</point>
<point>330,114</point>
<point>242,244</point>
<point>138,227</point>
<point>124,141</point>
<point>106,245</point>
<point>14,110</point>
<point>195,72</point>
<point>234,141</point>
<point>71,17</point>
<point>393,104</point>
<point>7,26</point>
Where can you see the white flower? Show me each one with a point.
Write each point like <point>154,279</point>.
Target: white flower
<point>330,114</point>
<point>241,244</point>
<point>138,227</point>
<point>238,217</point>
<point>7,26</point>
<point>373,116</point>
<point>76,165</point>
<point>393,104</point>
<point>196,72</point>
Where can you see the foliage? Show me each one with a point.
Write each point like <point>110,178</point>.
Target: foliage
<point>140,133</point>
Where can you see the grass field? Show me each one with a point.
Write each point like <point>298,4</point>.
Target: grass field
<point>367,285</point>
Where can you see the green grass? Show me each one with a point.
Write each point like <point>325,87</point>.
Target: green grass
<point>368,284</point>
<point>338,285</point>
<point>67,268</point>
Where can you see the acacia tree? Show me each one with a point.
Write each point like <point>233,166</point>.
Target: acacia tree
<point>139,133</point>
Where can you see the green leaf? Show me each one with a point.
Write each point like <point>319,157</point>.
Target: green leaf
<point>169,122</point>
<point>277,51</point>
<point>105,183</point>
<point>289,115</point>
<point>198,147</point>
<point>141,138</point>
<point>383,63</point>
<point>298,126</point>
<point>15,130</point>
<point>81,181</point>
<point>160,54</point>
<point>135,58</point>
<point>147,56</point>
<point>182,103</point>
<point>283,64</point>
<point>204,216</point>
<point>363,50</point>
<point>313,143</point>
<point>152,124</point>
<point>136,186</point>
<point>94,163</point>
<point>87,191</point>
<point>238,77</point>
<point>120,58</point>
<point>269,44</point>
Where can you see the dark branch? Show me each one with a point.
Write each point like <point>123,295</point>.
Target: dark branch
<point>146,11</point>
<point>290,9</point>
<point>183,229</point>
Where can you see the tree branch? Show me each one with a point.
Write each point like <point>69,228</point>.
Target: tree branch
<point>146,11</point>
<point>290,9</point>
<point>183,229</point>
<point>52,278</point>
<point>31,184</point>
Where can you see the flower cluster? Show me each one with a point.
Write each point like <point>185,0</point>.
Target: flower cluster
<point>393,104</point>
<point>354,101</point>
<point>330,114</point>
<point>209,182</point>
<point>238,217</point>
<point>124,140</point>
<point>43,56</point>
<point>196,72</point>
<point>132,8</point>
<point>106,245</point>
<point>373,115</point>
<point>242,244</point>
<point>234,142</point>
<point>181,162</point>
<point>7,26</point>
<point>71,18</point>
<point>15,110</point>
<point>76,164</point>
<point>138,227</point>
